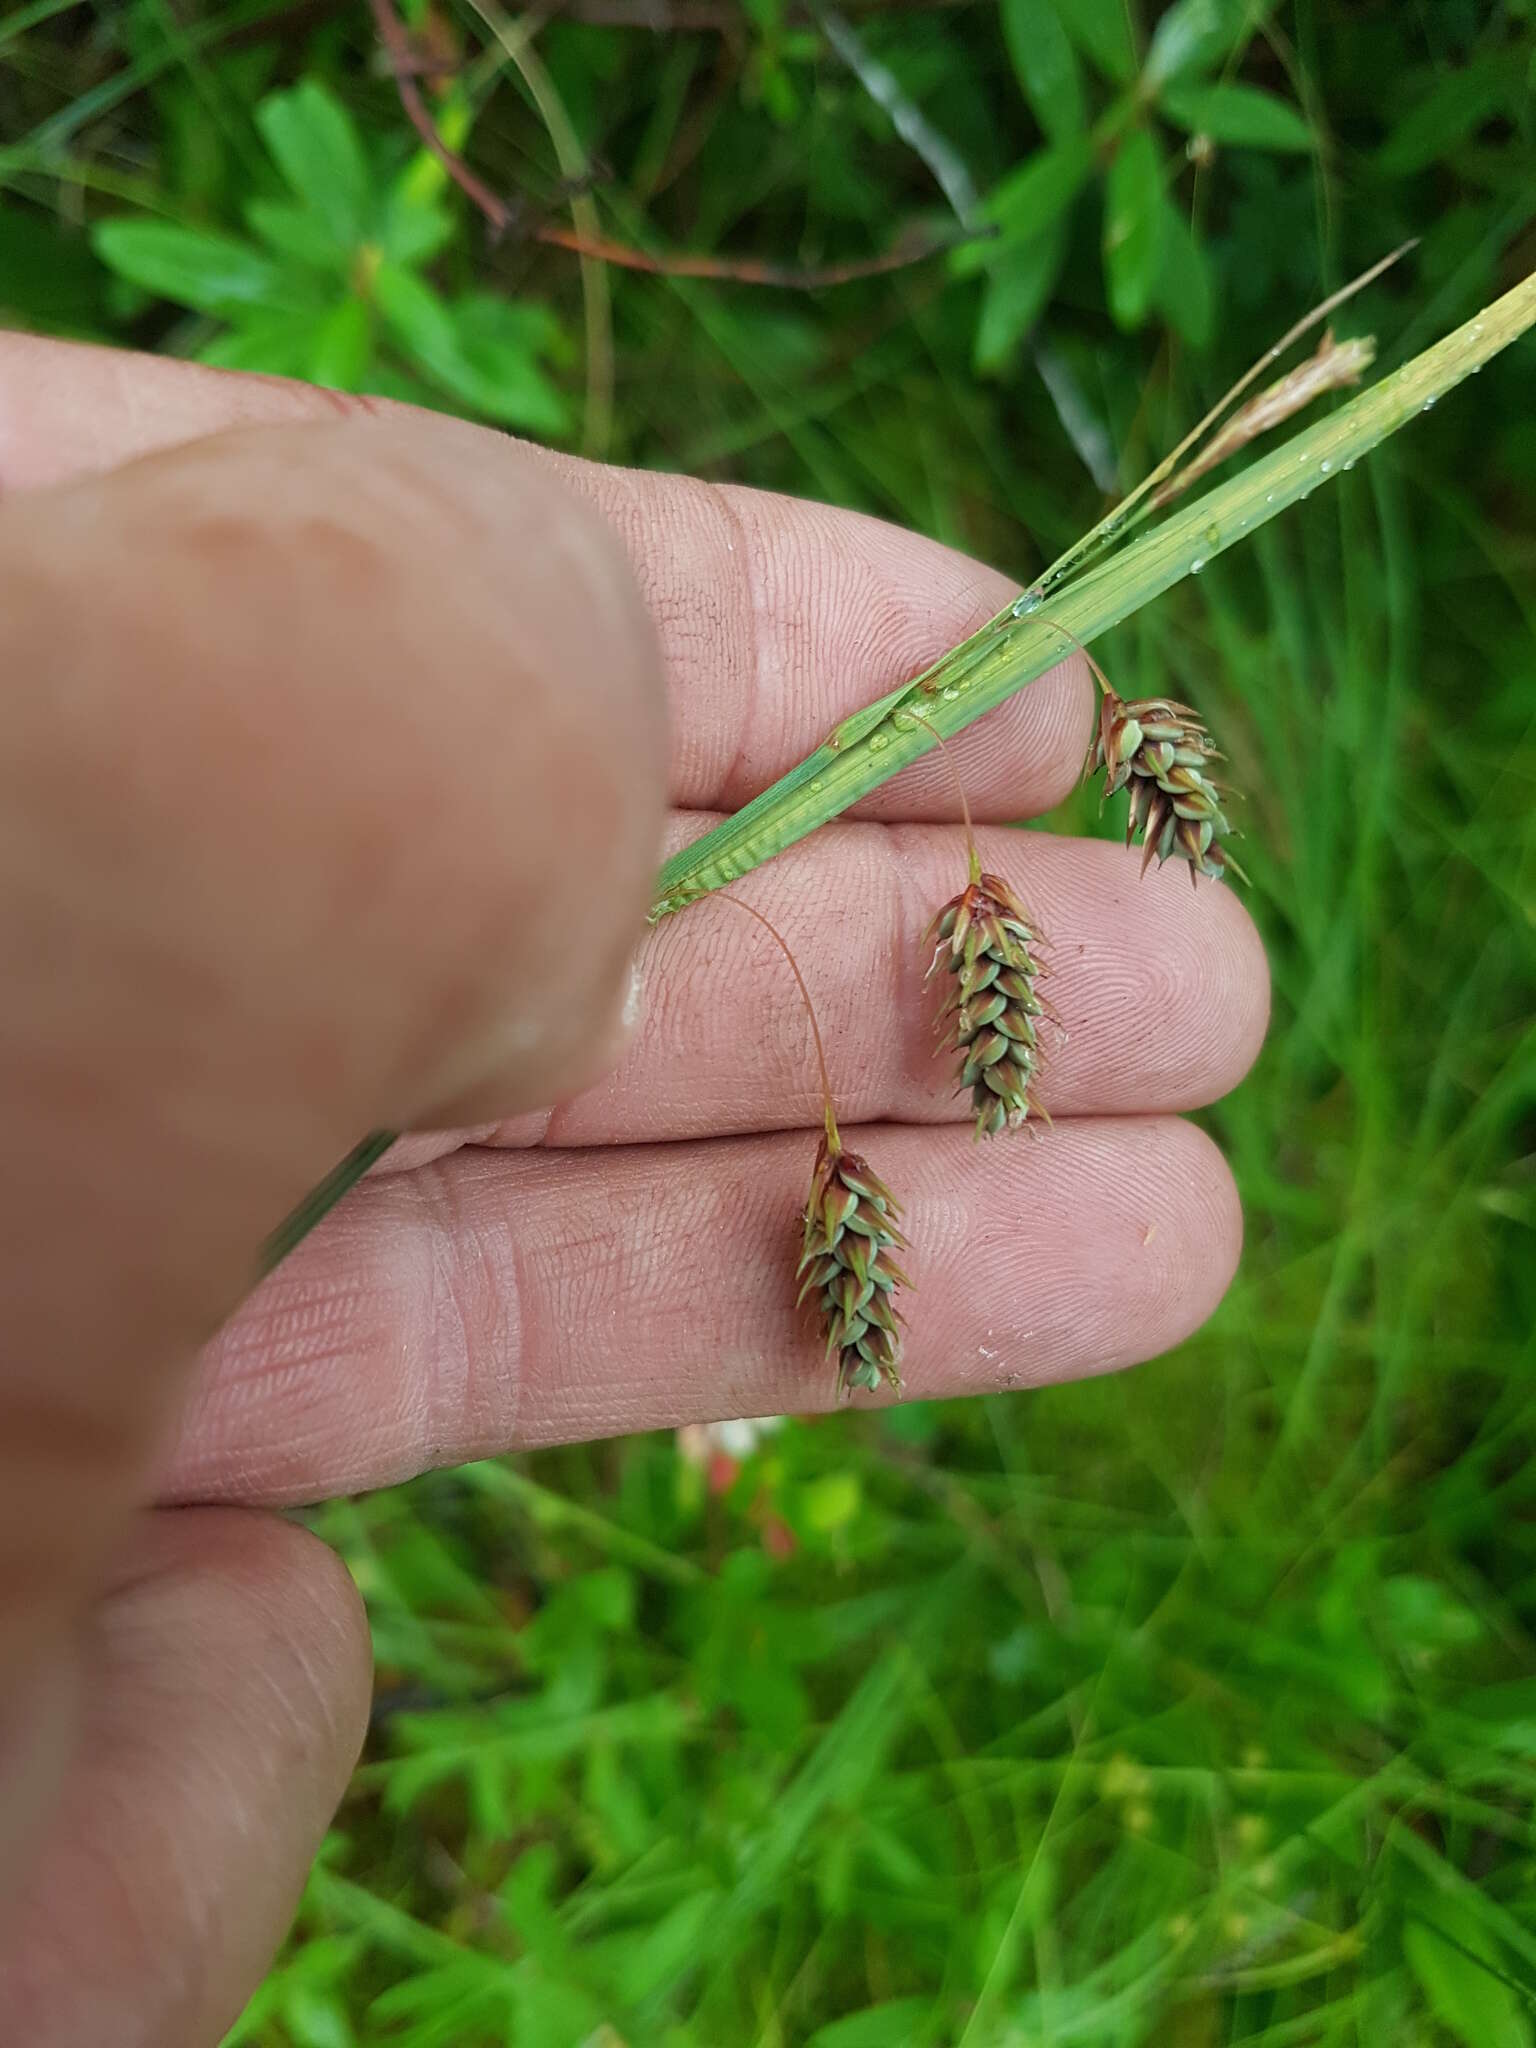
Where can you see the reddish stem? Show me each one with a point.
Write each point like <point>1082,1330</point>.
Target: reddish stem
<point>834,1139</point>
<point>499,215</point>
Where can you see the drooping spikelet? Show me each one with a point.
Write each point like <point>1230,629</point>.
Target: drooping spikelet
<point>990,1008</point>
<point>847,1263</point>
<point>1162,750</point>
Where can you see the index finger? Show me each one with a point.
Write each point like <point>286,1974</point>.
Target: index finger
<point>777,617</point>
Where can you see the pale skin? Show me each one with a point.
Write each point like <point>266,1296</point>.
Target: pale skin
<point>342,745</point>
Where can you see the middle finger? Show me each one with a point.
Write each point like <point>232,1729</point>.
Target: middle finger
<point>1161,993</point>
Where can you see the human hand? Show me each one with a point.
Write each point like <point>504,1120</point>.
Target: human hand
<point>332,797</point>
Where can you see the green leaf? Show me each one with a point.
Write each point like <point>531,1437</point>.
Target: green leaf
<point>1449,1954</point>
<point>471,352</point>
<point>891,2025</point>
<point>277,344</point>
<point>315,145</point>
<point>1185,293</point>
<point>49,277</point>
<point>1046,66</point>
<point>503,340</point>
<point>295,232</point>
<point>1455,105</point>
<point>652,1960</point>
<point>315,2019</point>
<point>214,273</point>
<point>1018,288</point>
<point>1195,35</point>
<point>414,226</point>
<point>422,324</point>
<point>607,1596</point>
<point>830,1503</point>
<point>342,347</point>
<point>1029,199</point>
<point>1133,220</point>
<point>1423,1614</point>
<point>1102,31</point>
<point>1239,114</point>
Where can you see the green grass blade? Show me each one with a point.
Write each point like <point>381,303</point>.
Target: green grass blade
<point>1008,654</point>
<point>876,743</point>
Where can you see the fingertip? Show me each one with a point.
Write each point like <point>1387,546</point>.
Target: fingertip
<point>1208,1243</point>
<point>1043,734</point>
<point>1205,968</point>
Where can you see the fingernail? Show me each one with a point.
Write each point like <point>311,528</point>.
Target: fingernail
<point>627,1022</point>
<point>634,993</point>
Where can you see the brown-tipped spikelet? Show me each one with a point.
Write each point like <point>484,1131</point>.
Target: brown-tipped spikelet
<point>1162,750</point>
<point>990,1007</point>
<point>846,1262</point>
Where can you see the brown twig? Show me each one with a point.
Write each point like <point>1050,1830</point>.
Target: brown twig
<point>723,17</point>
<point>500,215</point>
<point>746,270</point>
<point>402,60</point>
<point>1333,366</point>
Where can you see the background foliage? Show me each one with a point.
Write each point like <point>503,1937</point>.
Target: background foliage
<point>1193,1707</point>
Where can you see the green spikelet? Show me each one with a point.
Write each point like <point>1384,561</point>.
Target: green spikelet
<point>1162,750</point>
<point>846,1263</point>
<point>990,1011</point>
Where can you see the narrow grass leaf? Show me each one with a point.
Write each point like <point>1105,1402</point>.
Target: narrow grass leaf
<point>1013,650</point>
<point>1045,65</point>
<point>1238,114</point>
<point>1133,211</point>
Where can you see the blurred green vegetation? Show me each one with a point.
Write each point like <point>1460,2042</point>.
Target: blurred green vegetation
<point>1197,1706</point>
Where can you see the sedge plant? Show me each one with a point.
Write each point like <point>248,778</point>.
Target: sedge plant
<point>1157,749</point>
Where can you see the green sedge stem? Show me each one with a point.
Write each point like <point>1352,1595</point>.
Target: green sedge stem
<point>877,743</point>
<point>321,1199</point>
<point>1016,647</point>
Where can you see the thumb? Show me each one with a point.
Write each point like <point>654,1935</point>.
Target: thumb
<point>331,791</point>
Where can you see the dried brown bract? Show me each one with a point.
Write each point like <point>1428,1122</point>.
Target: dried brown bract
<point>847,1263</point>
<point>1333,366</point>
<point>991,1011</point>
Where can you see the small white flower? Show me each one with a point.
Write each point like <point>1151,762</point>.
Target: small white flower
<point>736,1438</point>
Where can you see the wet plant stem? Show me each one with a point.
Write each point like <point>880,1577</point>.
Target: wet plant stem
<point>1017,646</point>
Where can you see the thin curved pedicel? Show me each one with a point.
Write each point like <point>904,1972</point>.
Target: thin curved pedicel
<point>850,1235</point>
